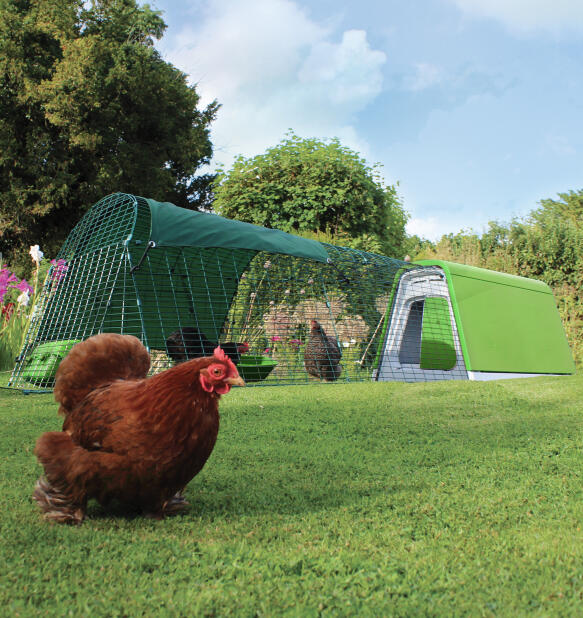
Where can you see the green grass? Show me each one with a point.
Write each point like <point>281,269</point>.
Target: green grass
<point>443,499</point>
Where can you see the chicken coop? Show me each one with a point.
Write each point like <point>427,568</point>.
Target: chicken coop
<point>287,310</point>
<point>450,321</point>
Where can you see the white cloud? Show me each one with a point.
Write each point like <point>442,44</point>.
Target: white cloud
<point>426,75</point>
<point>272,68</point>
<point>430,228</point>
<point>528,15</point>
<point>350,72</point>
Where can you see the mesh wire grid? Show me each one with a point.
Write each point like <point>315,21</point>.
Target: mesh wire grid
<point>284,320</point>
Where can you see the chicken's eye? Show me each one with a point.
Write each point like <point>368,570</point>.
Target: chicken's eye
<point>217,371</point>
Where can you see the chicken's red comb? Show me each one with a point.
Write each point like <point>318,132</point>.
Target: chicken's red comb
<point>220,353</point>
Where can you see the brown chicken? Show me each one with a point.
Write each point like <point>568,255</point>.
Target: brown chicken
<point>322,354</point>
<point>126,437</point>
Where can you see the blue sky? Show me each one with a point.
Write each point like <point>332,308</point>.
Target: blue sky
<point>474,107</point>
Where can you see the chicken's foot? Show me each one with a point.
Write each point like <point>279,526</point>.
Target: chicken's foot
<point>56,505</point>
<point>175,505</point>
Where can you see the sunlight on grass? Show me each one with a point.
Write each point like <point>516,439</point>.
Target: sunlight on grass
<point>365,499</point>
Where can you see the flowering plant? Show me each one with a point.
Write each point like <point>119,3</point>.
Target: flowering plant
<point>17,301</point>
<point>286,351</point>
<point>9,284</point>
<point>60,268</point>
<point>14,298</point>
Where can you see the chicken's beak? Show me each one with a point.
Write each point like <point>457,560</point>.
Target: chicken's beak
<point>238,381</point>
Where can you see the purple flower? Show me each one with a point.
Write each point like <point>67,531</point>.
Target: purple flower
<point>9,280</point>
<point>60,268</point>
<point>24,286</point>
<point>6,278</point>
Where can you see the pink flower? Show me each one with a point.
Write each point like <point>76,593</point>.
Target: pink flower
<point>23,286</point>
<point>267,351</point>
<point>6,278</point>
<point>60,268</point>
<point>295,342</point>
<point>276,338</point>
<point>9,280</point>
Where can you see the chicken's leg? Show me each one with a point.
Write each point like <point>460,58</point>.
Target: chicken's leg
<point>56,505</point>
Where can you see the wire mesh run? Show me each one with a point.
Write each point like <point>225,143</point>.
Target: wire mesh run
<point>282,319</point>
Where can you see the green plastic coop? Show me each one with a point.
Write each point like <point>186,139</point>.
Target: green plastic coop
<point>137,266</point>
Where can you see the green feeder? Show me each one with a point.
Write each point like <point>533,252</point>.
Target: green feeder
<point>255,368</point>
<point>41,365</point>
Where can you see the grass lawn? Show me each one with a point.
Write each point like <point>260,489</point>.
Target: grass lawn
<point>443,499</point>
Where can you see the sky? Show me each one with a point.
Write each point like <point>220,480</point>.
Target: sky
<point>474,107</point>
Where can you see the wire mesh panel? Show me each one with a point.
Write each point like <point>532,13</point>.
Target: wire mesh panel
<point>306,321</point>
<point>282,319</point>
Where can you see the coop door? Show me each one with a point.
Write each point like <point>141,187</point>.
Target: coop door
<point>428,337</point>
<point>437,344</point>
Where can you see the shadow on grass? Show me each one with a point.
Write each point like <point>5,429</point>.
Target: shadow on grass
<point>250,496</point>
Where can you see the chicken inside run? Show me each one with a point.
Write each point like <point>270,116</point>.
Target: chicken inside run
<point>286,324</point>
<point>293,320</point>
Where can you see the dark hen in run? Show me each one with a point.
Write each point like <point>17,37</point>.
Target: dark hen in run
<point>190,342</point>
<point>322,354</point>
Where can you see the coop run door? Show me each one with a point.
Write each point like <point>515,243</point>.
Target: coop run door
<point>421,342</point>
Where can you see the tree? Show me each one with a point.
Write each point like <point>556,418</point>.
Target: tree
<point>87,108</point>
<point>311,186</point>
<point>568,208</point>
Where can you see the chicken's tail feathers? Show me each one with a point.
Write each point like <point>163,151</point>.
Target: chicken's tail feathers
<point>63,460</point>
<point>98,361</point>
<point>73,470</point>
<point>54,450</point>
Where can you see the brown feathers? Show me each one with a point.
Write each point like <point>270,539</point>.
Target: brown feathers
<point>322,354</point>
<point>128,438</point>
<point>98,361</point>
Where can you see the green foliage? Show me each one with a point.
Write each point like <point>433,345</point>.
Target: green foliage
<point>310,186</point>
<point>88,107</point>
<point>451,499</point>
<point>548,246</point>
<point>12,332</point>
<point>16,314</point>
<point>569,208</point>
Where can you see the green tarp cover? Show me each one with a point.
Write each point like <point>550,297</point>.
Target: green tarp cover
<point>178,227</point>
